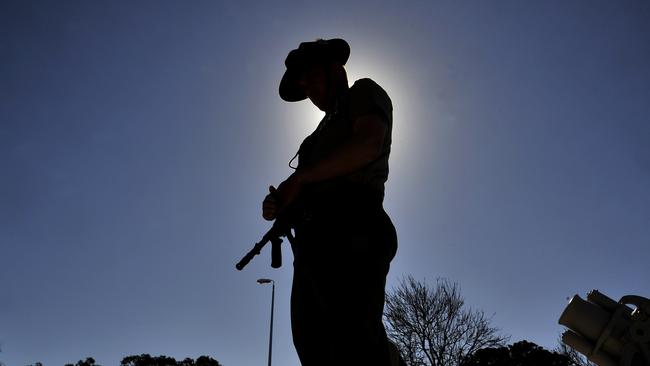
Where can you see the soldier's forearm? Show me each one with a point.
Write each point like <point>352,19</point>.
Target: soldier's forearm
<point>363,147</point>
<point>346,159</point>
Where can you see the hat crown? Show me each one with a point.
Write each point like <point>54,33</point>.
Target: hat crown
<point>319,51</point>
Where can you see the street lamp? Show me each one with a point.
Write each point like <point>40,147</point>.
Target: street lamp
<point>262,281</point>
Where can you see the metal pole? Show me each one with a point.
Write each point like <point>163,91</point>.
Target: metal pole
<point>271,334</point>
<point>263,281</point>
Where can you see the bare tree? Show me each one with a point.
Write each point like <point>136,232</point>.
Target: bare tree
<point>431,326</point>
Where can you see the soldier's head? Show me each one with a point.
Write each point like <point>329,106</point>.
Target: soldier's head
<point>315,70</point>
<point>321,83</point>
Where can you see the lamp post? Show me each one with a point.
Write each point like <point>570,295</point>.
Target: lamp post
<point>264,281</point>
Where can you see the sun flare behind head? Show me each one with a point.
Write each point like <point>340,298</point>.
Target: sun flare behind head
<point>303,119</point>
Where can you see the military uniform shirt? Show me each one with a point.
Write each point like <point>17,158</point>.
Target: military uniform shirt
<point>364,97</point>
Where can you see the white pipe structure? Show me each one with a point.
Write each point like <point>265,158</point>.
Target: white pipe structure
<point>609,333</point>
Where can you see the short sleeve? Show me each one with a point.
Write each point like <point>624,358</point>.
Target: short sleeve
<point>367,97</point>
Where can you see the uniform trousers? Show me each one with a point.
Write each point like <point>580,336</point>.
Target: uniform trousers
<point>341,258</point>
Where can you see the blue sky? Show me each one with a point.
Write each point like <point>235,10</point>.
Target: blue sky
<point>137,140</point>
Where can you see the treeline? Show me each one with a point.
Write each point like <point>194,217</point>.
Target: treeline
<point>148,360</point>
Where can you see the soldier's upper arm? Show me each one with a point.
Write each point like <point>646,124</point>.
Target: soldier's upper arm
<point>366,97</point>
<point>370,112</point>
<point>370,130</point>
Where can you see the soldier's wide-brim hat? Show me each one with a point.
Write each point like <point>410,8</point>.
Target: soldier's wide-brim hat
<point>322,51</point>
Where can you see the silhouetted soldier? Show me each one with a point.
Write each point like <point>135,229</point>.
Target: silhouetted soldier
<point>344,238</point>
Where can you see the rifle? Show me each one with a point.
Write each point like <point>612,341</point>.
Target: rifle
<point>281,228</point>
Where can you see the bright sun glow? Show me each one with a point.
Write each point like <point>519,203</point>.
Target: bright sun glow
<point>304,118</point>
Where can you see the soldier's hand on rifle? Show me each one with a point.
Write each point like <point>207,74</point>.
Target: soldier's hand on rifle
<point>278,199</point>
<point>270,205</point>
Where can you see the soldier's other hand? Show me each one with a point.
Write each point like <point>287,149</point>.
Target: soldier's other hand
<point>270,205</point>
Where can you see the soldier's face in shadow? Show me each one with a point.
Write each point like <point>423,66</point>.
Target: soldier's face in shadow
<point>314,83</point>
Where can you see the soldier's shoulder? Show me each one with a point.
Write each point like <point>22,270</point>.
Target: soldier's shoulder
<point>365,84</point>
<point>369,87</point>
